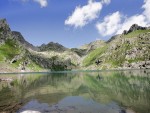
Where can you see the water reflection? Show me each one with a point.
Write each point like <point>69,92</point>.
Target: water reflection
<point>128,91</point>
<point>72,104</point>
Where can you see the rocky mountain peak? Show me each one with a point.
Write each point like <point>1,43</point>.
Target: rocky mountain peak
<point>5,31</point>
<point>134,27</point>
<point>4,25</point>
<point>52,46</point>
<point>18,36</point>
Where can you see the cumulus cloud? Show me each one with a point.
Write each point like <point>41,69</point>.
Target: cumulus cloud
<point>116,23</point>
<point>110,24</point>
<point>146,7</point>
<point>83,15</point>
<point>138,19</point>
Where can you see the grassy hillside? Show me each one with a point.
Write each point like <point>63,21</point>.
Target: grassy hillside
<point>9,50</point>
<point>129,50</point>
<point>125,49</point>
<point>93,55</point>
<point>136,33</point>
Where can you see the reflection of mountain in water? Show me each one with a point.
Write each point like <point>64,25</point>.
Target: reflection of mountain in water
<point>71,104</point>
<point>129,89</point>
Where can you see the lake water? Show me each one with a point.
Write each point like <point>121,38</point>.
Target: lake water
<point>76,92</point>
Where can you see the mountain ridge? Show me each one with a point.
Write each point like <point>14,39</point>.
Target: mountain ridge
<point>98,54</point>
<point>20,55</point>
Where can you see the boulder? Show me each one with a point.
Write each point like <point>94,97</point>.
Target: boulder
<point>125,32</point>
<point>97,62</point>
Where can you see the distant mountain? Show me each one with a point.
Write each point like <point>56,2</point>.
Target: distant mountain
<point>51,46</point>
<point>131,49</point>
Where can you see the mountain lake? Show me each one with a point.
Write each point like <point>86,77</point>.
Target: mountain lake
<point>125,91</point>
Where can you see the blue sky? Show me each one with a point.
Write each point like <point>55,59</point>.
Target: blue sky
<point>73,23</point>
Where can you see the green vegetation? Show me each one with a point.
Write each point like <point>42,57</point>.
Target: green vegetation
<point>33,66</point>
<point>117,56</point>
<point>1,57</point>
<point>114,54</point>
<point>121,50</point>
<point>1,30</point>
<point>136,60</point>
<point>93,55</point>
<point>58,68</point>
<point>9,50</point>
<point>136,33</point>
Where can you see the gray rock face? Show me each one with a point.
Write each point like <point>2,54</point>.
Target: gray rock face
<point>53,63</point>
<point>125,32</point>
<point>134,27</point>
<point>25,51</point>
<point>18,36</point>
<point>4,26</point>
<point>80,52</point>
<point>5,31</point>
<point>137,65</point>
<point>15,59</point>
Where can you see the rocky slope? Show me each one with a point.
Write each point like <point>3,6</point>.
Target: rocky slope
<point>16,54</point>
<point>126,51</point>
<point>131,49</point>
<point>93,45</point>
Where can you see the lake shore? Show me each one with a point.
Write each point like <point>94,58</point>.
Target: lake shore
<point>78,70</point>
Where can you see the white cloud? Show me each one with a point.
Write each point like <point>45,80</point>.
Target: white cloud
<point>146,7</point>
<point>116,23</point>
<point>110,25</point>
<point>136,19</point>
<point>43,3</point>
<point>83,15</point>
